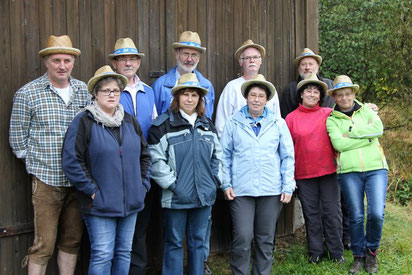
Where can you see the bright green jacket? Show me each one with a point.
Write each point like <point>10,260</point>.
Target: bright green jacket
<point>360,151</point>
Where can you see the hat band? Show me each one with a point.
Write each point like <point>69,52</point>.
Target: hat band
<point>191,83</point>
<point>189,43</point>
<point>305,54</point>
<point>342,84</point>
<point>126,50</point>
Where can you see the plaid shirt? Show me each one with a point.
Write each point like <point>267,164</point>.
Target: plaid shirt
<point>38,124</point>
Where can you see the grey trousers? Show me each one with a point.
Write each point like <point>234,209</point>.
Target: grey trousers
<point>253,218</point>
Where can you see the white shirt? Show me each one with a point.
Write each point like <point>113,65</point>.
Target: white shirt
<point>133,89</point>
<point>231,101</point>
<point>64,93</point>
<point>190,118</point>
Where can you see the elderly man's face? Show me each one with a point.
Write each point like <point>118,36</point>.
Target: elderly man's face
<point>187,60</point>
<point>250,60</point>
<point>307,66</point>
<point>59,68</point>
<point>127,65</point>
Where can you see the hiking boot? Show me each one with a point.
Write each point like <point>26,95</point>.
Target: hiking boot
<point>357,266</point>
<point>339,260</point>
<point>315,259</point>
<point>207,270</point>
<point>371,261</point>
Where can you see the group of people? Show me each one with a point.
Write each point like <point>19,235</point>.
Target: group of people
<point>96,151</point>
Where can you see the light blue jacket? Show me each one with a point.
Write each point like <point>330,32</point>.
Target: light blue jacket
<point>262,165</point>
<point>162,88</point>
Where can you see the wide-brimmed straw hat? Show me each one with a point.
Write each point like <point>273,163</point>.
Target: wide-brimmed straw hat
<point>125,46</point>
<point>190,40</point>
<point>59,45</point>
<point>249,44</point>
<point>259,79</point>
<point>308,53</point>
<point>341,82</point>
<point>189,80</point>
<point>103,72</point>
<point>312,78</point>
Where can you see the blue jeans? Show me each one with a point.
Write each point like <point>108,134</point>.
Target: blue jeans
<point>176,222</point>
<point>354,186</point>
<point>111,243</point>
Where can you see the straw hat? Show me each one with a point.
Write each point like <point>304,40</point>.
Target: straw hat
<point>249,44</point>
<point>189,40</point>
<point>189,80</point>
<point>125,46</point>
<point>103,72</point>
<point>259,79</point>
<point>312,78</point>
<point>59,44</point>
<point>308,53</point>
<point>341,82</point>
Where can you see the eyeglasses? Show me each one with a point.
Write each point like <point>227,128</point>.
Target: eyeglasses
<point>342,95</point>
<point>250,58</point>
<point>254,96</point>
<point>125,59</point>
<point>107,92</point>
<point>193,55</point>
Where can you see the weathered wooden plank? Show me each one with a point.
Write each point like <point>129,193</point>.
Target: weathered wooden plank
<point>85,15</point>
<point>73,30</point>
<point>109,28</point>
<point>98,36</point>
<point>171,34</point>
<point>154,37</point>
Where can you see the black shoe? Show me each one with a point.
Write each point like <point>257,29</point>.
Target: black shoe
<point>371,262</point>
<point>346,244</point>
<point>339,260</point>
<point>315,259</point>
<point>358,265</point>
<point>207,270</point>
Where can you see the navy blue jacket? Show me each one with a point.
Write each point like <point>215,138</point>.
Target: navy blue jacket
<point>96,163</point>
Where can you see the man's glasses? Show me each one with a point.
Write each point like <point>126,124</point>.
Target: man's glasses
<point>107,92</point>
<point>193,55</point>
<point>125,59</point>
<point>250,58</point>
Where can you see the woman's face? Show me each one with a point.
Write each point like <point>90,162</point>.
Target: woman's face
<point>344,98</point>
<point>188,101</point>
<point>310,97</point>
<point>256,100</point>
<point>108,97</point>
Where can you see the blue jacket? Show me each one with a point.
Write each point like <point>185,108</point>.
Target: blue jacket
<point>262,165</point>
<point>144,107</point>
<point>162,88</point>
<point>186,161</point>
<point>95,163</point>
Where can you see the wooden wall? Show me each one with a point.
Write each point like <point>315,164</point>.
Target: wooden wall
<point>284,27</point>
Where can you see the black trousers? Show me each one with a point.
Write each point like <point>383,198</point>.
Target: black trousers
<point>321,196</point>
<point>138,259</point>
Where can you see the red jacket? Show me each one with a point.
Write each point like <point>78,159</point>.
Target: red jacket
<point>314,154</point>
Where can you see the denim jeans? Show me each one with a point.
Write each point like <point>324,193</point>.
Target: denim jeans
<point>111,243</point>
<point>176,222</point>
<point>354,186</point>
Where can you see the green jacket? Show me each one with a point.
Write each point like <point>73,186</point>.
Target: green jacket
<point>360,151</point>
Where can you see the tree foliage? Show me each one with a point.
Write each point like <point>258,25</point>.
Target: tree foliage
<point>370,41</point>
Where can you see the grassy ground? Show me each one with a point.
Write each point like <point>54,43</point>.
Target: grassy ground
<point>395,253</point>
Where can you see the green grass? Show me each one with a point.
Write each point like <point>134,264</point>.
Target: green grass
<point>395,252</point>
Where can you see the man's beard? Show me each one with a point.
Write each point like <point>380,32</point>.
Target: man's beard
<point>184,68</point>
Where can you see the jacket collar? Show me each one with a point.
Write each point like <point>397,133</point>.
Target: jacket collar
<point>170,79</point>
<point>177,120</point>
